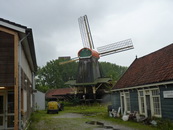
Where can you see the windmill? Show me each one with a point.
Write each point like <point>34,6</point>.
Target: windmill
<point>89,83</point>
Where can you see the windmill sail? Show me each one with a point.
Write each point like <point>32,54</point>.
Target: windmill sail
<point>69,61</point>
<point>89,82</point>
<point>115,47</point>
<point>85,32</point>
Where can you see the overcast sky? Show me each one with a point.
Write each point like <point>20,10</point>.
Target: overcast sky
<point>149,23</point>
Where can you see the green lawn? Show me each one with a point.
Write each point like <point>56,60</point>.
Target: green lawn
<point>93,111</point>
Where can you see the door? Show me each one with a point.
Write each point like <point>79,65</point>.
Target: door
<point>122,105</point>
<point>148,104</point>
<point>2,112</point>
<point>7,110</point>
<point>10,110</point>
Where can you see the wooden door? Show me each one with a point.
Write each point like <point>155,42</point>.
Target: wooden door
<point>2,112</point>
<point>148,105</point>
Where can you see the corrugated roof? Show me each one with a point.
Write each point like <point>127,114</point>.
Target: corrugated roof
<point>153,68</point>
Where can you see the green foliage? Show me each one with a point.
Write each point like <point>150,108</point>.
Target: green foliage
<point>90,110</point>
<point>53,75</point>
<point>112,70</point>
<point>164,124</point>
<point>75,101</point>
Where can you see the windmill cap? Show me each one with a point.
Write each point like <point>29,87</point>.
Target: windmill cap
<point>86,53</point>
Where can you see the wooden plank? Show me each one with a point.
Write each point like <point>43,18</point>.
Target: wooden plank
<point>16,40</point>
<point>6,59</point>
<point>16,86</point>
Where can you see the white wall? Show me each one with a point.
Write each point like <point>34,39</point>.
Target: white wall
<point>39,100</point>
<point>25,66</point>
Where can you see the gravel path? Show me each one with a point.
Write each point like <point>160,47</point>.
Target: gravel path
<point>80,122</point>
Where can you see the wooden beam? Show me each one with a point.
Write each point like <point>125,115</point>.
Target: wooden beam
<point>16,86</point>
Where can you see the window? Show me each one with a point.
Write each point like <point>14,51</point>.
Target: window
<point>153,102</point>
<point>10,102</point>
<point>127,98</point>
<point>25,100</point>
<point>125,102</point>
<point>156,102</point>
<point>141,101</point>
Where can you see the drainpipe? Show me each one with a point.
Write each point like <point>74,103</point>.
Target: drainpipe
<point>33,88</point>
<point>20,82</point>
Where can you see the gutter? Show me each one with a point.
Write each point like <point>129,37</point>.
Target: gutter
<point>144,86</point>
<point>14,27</point>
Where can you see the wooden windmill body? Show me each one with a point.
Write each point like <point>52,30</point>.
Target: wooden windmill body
<point>89,83</point>
<point>88,68</point>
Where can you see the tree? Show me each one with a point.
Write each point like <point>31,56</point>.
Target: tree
<point>112,70</point>
<point>53,75</point>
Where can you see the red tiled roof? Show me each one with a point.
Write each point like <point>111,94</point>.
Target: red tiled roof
<point>61,91</point>
<point>153,68</point>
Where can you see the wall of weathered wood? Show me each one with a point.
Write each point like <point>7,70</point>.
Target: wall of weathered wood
<point>115,97</point>
<point>9,64</point>
<point>134,106</point>
<point>166,103</point>
<point>88,70</point>
<point>6,59</point>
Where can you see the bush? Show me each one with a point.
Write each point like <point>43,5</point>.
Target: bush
<point>75,101</point>
<point>165,124</point>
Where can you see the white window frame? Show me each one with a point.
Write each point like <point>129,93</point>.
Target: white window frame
<point>152,102</point>
<point>125,101</point>
<point>140,103</point>
<point>149,92</point>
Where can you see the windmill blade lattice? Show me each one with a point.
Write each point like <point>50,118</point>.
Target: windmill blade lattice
<point>69,61</point>
<point>85,32</point>
<point>115,47</point>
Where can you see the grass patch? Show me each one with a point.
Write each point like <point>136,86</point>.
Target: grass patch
<point>92,112</point>
<point>84,109</point>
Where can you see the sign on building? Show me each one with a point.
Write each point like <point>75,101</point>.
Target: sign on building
<point>168,94</point>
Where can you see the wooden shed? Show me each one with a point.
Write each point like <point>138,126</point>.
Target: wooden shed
<point>17,68</point>
<point>147,86</point>
<point>62,94</point>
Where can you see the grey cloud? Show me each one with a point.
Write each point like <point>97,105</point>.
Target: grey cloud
<point>56,32</point>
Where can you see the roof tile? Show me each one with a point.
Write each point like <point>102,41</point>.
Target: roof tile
<point>153,68</point>
<point>61,91</point>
